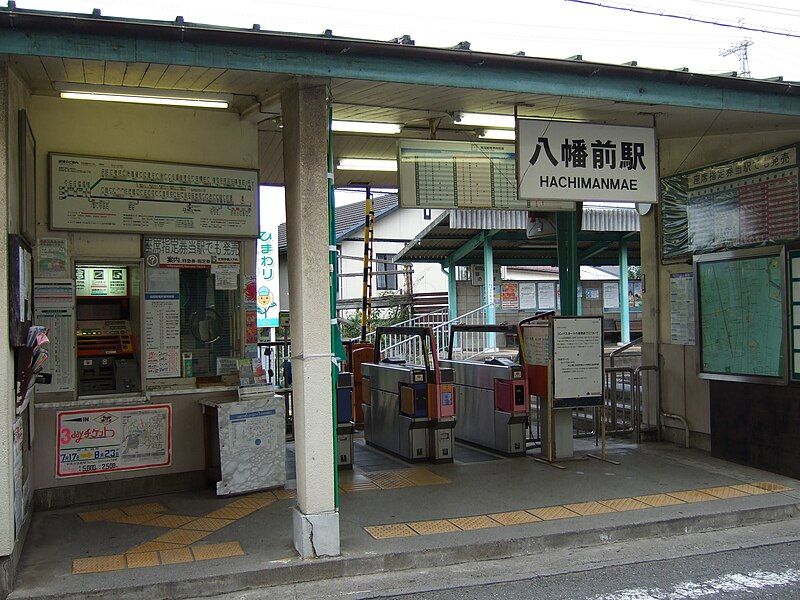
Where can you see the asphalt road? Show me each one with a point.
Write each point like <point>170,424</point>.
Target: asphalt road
<point>764,572</point>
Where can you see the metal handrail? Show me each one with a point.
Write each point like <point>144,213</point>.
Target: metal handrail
<point>622,349</point>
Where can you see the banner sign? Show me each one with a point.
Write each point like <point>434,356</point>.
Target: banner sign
<point>561,160</point>
<point>443,174</point>
<point>268,294</point>
<point>103,440</point>
<point>187,253</point>
<point>743,202</point>
<point>110,194</point>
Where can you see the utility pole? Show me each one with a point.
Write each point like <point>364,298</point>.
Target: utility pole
<point>740,50</point>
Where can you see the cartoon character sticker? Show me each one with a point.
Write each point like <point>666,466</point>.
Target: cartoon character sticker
<point>265,301</point>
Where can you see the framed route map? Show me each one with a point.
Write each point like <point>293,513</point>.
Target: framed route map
<point>741,324</point>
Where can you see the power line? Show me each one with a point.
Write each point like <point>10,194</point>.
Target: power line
<point>763,8</point>
<point>740,50</point>
<point>702,20</point>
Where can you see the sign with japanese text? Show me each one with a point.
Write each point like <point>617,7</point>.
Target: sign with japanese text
<point>101,281</point>
<point>90,193</point>
<point>577,360</point>
<point>102,440</point>
<point>560,160</point>
<point>268,296</point>
<point>189,253</point>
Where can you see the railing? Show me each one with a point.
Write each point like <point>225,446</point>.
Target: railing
<point>622,352</point>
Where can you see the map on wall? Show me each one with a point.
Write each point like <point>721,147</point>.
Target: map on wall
<point>744,202</point>
<point>742,329</point>
<point>109,194</point>
<point>445,174</point>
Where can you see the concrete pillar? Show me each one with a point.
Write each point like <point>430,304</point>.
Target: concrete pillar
<point>304,107</point>
<point>624,303</point>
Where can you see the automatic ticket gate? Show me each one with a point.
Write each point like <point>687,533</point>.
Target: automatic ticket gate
<point>493,400</point>
<point>344,420</point>
<point>409,410</point>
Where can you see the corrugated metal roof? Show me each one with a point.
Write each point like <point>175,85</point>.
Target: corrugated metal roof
<point>609,218</point>
<point>488,219</point>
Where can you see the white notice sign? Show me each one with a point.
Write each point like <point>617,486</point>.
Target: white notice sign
<point>578,357</point>
<point>162,324</point>
<point>55,309</point>
<point>610,296</point>
<point>681,308</point>
<point>527,295</point>
<point>547,295</point>
<point>561,160</point>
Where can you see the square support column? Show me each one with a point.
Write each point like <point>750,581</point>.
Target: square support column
<point>452,297</point>
<point>488,284</point>
<point>304,107</point>
<point>624,302</point>
<point>568,268</point>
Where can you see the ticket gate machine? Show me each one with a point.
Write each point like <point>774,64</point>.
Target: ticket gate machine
<point>344,420</point>
<point>409,410</point>
<point>493,400</point>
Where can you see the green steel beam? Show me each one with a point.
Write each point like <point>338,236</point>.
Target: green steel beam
<point>568,268</point>
<point>475,243</point>
<point>30,33</point>
<point>593,250</point>
<point>452,291</point>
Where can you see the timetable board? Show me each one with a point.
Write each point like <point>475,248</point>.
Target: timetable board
<point>111,194</point>
<point>743,202</point>
<point>445,174</point>
<point>741,315</point>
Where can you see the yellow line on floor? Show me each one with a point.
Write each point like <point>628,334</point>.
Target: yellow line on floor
<point>568,511</point>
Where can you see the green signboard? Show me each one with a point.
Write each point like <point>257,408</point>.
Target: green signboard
<point>741,325</point>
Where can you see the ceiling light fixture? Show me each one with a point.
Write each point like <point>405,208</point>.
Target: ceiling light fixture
<point>498,134</point>
<point>366,164</point>
<point>366,127</point>
<point>134,95</point>
<point>484,120</point>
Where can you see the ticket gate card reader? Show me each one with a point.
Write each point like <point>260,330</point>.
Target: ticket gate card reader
<point>409,410</point>
<point>344,420</point>
<point>493,400</point>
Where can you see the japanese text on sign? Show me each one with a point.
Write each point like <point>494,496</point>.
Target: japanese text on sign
<point>267,279</point>
<point>582,161</point>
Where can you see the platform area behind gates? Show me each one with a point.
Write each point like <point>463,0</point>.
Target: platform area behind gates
<point>394,516</point>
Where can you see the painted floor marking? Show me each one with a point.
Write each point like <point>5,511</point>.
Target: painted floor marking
<point>568,511</point>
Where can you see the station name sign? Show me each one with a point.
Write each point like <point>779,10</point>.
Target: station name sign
<point>561,160</point>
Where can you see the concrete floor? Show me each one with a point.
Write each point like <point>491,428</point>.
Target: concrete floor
<point>478,484</point>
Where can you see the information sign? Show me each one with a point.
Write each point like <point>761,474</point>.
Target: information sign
<point>103,440</point>
<point>527,295</point>
<point>101,281</point>
<point>123,195</point>
<point>569,161</point>
<point>54,302</point>
<point>681,308</point>
<point>577,360</point>
<point>794,274</point>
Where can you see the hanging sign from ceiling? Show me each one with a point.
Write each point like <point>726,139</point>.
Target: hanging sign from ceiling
<point>135,196</point>
<point>561,160</point>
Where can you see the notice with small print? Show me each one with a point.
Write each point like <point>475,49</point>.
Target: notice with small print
<point>578,357</point>
<point>103,440</point>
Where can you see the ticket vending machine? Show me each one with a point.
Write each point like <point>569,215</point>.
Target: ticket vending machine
<point>409,409</point>
<point>493,400</point>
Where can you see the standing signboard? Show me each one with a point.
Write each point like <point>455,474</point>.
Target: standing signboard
<point>569,161</point>
<point>577,361</point>
<point>268,290</point>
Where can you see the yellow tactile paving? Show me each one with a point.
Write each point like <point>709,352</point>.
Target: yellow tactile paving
<point>390,480</point>
<point>382,532</point>
<point>588,508</point>
<point>423,477</point>
<point>207,524</point>
<point>102,515</point>
<point>142,559</point>
<point>170,521</point>
<point>132,519</point>
<point>284,494</point>
<point>142,509</point>
<point>692,496</point>
<point>231,512</point>
<point>551,513</point>
<point>429,527</point>
<point>176,556</point>
<point>658,500</point>
<point>772,487</point>
<point>723,492</point>
<point>348,486</point>
<point>252,502</point>
<point>182,536</point>
<point>154,547</point>
<point>750,489</point>
<point>473,523</point>
<point>221,550</point>
<point>515,517</point>
<point>623,504</point>
<point>98,564</point>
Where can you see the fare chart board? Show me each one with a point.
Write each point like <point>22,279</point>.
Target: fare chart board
<point>444,174</point>
<point>741,320</point>
<point>109,194</point>
<point>743,202</point>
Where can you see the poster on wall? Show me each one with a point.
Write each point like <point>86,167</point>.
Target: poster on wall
<point>162,323</point>
<point>577,360</point>
<point>681,308</point>
<point>135,196</point>
<point>55,309</point>
<point>743,202</point>
<point>268,292</point>
<point>527,295</point>
<point>610,296</point>
<point>509,296</point>
<point>562,160</point>
<point>547,295</point>
<point>794,275</point>
<point>103,440</point>
<point>52,258</point>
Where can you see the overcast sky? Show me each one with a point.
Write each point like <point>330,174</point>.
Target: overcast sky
<point>551,28</point>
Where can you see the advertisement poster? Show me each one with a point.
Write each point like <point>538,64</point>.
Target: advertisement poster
<point>578,357</point>
<point>55,309</point>
<point>527,295</point>
<point>52,258</point>
<point>103,440</point>
<point>268,292</point>
<point>509,296</point>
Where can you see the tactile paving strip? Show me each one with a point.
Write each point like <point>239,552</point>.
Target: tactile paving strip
<point>624,504</point>
<point>772,487</point>
<point>381,532</point>
<point>212,551</point>
<point>515,517</point>
<point>551,513</point>
<point>473,523</point>
<point>723,492</point>
<point>437,526</point>
<point>692,496</point>
<point>658,500</point>
<point>750,489</point>
<point>588,508</point>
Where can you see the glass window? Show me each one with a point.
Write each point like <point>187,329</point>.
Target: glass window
<point>385,281</point>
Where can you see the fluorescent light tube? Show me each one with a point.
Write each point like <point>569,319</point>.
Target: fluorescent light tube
<point>499,134</point>
<point>366,127</point>
<point>134,95</point>
<point>366,164</point>
<point>484,120</point>
<point>144,100</point>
